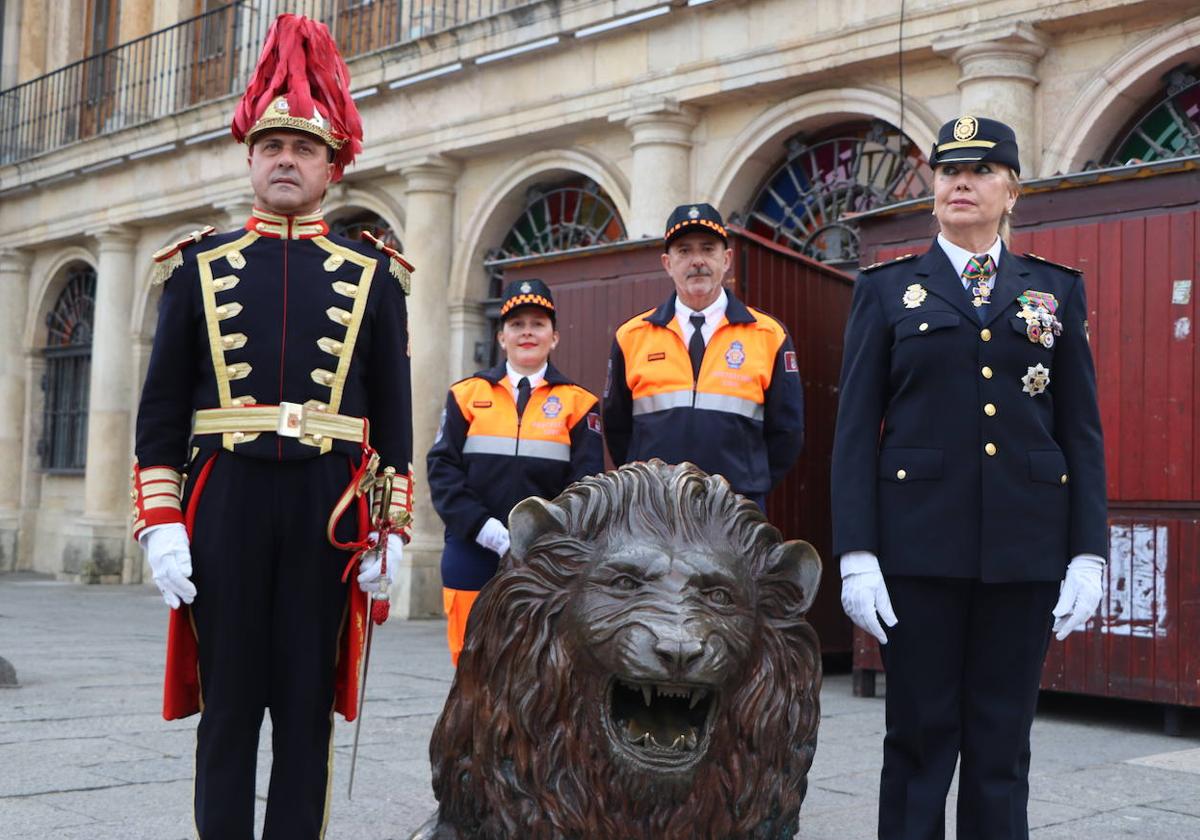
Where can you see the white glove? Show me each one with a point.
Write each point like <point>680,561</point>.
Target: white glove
<point>369,577</point>
<point>864,593</point>
<point>170,557</point>
<point>493,536</point>
<point>1081,591</point>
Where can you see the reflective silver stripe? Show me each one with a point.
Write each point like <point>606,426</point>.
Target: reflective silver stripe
<point>545,449</point>
<point>708,402</point>
<point>731,405</point>
<point>498,445</point>
<point>662,402</point>
<point>490,445</point>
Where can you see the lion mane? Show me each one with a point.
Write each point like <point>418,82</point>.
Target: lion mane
<point>518,752</point>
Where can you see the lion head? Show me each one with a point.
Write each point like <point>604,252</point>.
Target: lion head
<point>639,668</point>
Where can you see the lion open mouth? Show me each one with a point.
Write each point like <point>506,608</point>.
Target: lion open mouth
<point>662,725</point>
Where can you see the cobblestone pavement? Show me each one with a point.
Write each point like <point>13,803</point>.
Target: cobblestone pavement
<point>84,752</point>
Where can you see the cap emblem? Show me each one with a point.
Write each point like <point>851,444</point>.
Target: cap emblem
<point>526,288</point>
<point>281,104</point>
<point>966,128</point>
<point>694,213</point>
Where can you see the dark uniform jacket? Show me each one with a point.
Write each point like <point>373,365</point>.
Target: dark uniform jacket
<point>486,459</point>
<point>278,312</point>
<point>743,418</point>
<point>964,448</point>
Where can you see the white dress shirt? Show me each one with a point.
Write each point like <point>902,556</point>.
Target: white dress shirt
<point>713,313</point>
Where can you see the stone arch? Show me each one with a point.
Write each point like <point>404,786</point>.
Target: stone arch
<point>759,146</point>
<point>489,222</point>
<point>344,198</point>
<point>46,289</point>
<point>1111,100</point>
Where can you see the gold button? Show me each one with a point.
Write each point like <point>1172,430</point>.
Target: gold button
<point>316,438</point>
<point>1062,479</point>
<point>987,372</point>
<point>990,449</point>
<point>901,474</point>
<point>238,437</point>
<point>989,410</point>
<point>985,334</point>
<point>923,327</point>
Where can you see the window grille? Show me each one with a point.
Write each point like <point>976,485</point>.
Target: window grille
<point>68,354</point>
<point>1169,127</point>
<point>847,170</point>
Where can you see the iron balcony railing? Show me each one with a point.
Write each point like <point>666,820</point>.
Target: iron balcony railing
<point>199,60</point>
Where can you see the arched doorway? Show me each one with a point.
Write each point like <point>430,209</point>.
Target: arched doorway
<point>567,215</point>
<point>62,447</point>
<point>848,168</point>
<point>351,222</point>
<point>1168,127</point>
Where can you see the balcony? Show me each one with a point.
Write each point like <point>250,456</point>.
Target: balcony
<point>199,60</point>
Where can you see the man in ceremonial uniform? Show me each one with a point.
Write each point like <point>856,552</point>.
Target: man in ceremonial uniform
<point>277,392</point>
<point>705,378</point>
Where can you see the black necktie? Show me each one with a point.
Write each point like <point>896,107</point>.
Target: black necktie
<point>696,345</point>
<point>522,396</point>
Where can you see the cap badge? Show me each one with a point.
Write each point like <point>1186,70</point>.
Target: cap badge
<point>1036,379</point>
<point>281,104</point>
<point>914,296</point>
<point>694,212</point>
<point>526,288</point>
<point>966,128</point>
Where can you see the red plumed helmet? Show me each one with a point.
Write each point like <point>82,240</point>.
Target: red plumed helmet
<point>301,83</point>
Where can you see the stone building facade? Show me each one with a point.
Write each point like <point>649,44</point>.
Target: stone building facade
<point>476,112</point>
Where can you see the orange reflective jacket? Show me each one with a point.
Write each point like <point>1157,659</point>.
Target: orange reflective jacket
<point>743,417</point>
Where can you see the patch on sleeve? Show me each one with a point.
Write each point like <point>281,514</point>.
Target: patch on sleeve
<point>789,361</point>
<point>608,380</point>
<point>593,420</point>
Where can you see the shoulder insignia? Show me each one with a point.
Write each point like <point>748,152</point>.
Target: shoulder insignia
<point>892,261</point>
<point>400,268</point>
<point>1056,265</point>
<point>167,259</point>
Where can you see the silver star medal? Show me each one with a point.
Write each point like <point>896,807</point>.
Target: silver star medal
<point>914,296</point>
<point>1036,380</point>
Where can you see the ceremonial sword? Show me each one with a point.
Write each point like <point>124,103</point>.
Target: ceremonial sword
<point>377,609</point>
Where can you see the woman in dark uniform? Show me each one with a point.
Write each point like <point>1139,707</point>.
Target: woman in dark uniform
<point>968,492</point>
<point>519,429</point>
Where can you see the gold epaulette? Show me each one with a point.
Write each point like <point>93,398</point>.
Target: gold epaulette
<point>167,259</point>
<point>892,261</point>
<point>1056,265</point>
<point>399,267</point>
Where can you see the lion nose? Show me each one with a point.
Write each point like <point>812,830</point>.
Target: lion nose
<point>678,654</point>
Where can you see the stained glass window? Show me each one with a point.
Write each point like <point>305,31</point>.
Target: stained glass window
<point>849,169</point>
<point>68,353</point>
<point>1169,128</point>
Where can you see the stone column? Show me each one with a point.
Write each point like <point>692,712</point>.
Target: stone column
<point>429,241</point>
<point>14,297</point>
<point>106,479</point>
<point>997,76</point>
<point>661,178</point>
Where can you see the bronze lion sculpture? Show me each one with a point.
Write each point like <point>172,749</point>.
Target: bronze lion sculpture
<point>640,667</point>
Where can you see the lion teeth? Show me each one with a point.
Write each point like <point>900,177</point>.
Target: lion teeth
<point>697,695</point>
<point>692,740</point>
<point>647,694</point>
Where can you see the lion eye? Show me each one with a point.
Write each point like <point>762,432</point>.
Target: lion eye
<point>625,583</point>
<point>720,597</point>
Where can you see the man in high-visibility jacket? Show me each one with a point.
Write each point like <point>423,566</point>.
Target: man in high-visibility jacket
<point>705,378</point>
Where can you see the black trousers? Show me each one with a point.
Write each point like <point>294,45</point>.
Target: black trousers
<point>963,667</point>
<point>268,612</point>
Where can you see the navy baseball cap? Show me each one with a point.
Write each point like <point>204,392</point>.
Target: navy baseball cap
<point>689,218</point>
<point>520,293</point>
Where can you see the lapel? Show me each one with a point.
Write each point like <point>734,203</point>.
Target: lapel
<point>941,279</point>
<point>1010,283</point>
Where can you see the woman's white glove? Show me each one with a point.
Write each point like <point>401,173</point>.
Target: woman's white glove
<point>864,595</point>
<point>493,536</point>
<point>169,554</point>
<point>1081,591</point>
<point>369,568</point>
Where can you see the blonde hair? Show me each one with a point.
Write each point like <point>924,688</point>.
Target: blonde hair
<point>1006,220</point>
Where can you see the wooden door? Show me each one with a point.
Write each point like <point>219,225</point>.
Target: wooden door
<point>98,76</point>
<point>211,46</point>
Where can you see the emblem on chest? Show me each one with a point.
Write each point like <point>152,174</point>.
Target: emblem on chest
<point>914,296</point>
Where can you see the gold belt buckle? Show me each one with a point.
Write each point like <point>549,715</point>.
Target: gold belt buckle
<point>291,420</point>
